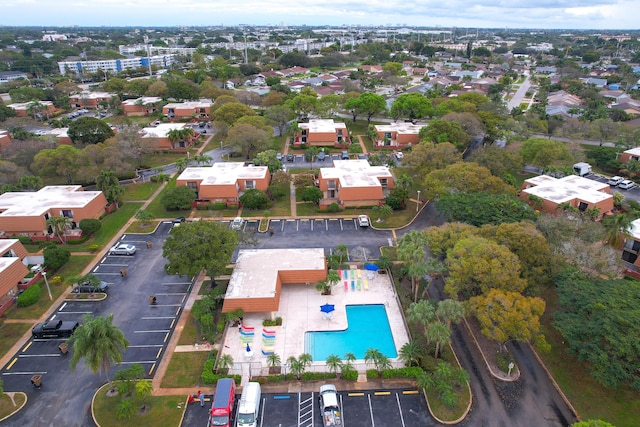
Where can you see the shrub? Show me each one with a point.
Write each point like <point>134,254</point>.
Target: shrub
<point>269,322</point>
<point>407,372</point>
<point>55,257</point>
<point>178,198</point>
<point>56,281</point>
<point>25,240</point>
<point>90,226</point>
<point>208,377</point>
<point>30,296</point>
<point>94,248</point>
<point>395,202</point>
<point>254,199</point>
<point>311,376</point>
<point>333,207</point>
<point>350,375</point>
<point>218,206</point>
<point>372,374</point>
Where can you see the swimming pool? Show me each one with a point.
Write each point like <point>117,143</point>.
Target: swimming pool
<point>367,326</point>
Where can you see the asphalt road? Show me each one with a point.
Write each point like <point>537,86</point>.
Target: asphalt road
<point>65,396</point>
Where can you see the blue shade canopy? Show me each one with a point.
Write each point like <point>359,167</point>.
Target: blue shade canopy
<point>371,267</point>
<point>327,308</point>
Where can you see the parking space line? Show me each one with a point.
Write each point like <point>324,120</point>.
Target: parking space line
<point>145,345</point>
<point>27,347</point>
<point>264,402</point>
<point>166,337</point>
<point>40,355</point>
<point>176,283</point>
<point>49,339</point>
<point>157,317</point>
<point>170,293</point>
<point>178,311</point>
<point>62,306</point>
<point>341,226</point>
<point>25,373</point>
<point>139,361</point>
<point>172,323</point>
<point>74,312</point>
<point>151,331</point>
<point>373,423</point>
<point>168,305</point>
<point>159,351</point>
<point>15,359</point>
<point>400,409</point>
<point>152,368</point>
<point>102,273</point>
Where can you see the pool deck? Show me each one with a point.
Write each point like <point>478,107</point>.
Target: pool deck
<point>300,312</point>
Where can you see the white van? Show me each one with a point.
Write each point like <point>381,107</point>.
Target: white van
<point>249,406</point>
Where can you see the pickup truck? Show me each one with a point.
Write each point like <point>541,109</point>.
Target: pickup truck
<point>329,408</point>
<point>54,329</point>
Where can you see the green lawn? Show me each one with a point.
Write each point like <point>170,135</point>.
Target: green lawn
<point>74,267</point>
<point>6,405</point>
<point>191,333</point>
<point>140,191</point>
<point>155,160</point>
<point>592,400</point>
<point>162,411</point>
<point>184,370</point>
<point>9,334</point>
<point>137,227</point>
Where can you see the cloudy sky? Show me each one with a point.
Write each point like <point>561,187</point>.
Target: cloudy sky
<point>577,14</point>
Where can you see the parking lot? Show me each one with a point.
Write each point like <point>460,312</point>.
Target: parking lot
<point>382,408</point>
<point>147,327</point>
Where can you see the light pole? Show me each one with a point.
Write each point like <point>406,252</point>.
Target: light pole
<point>44,274</point>
<point>418,202</point>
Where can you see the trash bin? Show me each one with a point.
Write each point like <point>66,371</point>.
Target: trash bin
<point>64,348</point>
<point>36,380</point>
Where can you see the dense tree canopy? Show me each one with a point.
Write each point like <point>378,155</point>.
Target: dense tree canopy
<point>464,178</point>
<point>484,208</point>
<point>246,139</point>
<point>500,161</point>
<point>198,246</point>
<point>230,113</point>
<point>89,130</point>
<point>412,106</point>
<point>600,320</point>
<point>545,152</point>
<point>439,131</point>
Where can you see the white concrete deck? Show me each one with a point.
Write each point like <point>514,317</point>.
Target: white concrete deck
<point>300,312</point>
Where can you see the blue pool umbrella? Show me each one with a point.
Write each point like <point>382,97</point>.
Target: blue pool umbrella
<point>371,267</point>
<point>327,308</point>
<point>248,348</point>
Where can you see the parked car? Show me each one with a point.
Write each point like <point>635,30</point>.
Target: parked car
<point>363,221</point>
<point>290,158</point>
<point>279,156</point>
<point>54,329</point>
<point>237,223</point>
<point>329,406</point>
<point>83,288</point>
<point>321,156</point>
<point>626,184</point>
<point>399,155</point>
<point>122,249</point>
<point>344,155</point>
<point>615,180</point>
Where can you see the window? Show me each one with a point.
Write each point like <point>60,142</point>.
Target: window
<point>582,206</point>
<point>66,213</point>
<point>331,184</point>
<point>331,194</point>
<point>387,135</point>
<point>384,182</point>
<point>629,257</point>
<point>249,185</point>
<point>632,246</point>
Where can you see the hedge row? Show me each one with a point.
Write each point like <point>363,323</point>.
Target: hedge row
<point>30,296</point>
<point>209,377</point>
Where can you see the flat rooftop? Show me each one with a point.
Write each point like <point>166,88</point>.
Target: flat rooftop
<point>356,173</point>
<point>568,188</point>
<point>190,104</point>
<point>322,126</point>
<point>21,203</point>
<point>223,173</point>
<point>634,151</point>
<point>26,105</point>
<point>256,270</point>
<point>161,130</point>
<point>402,128</point>
<point>93,95</point>
<point>142,101</point>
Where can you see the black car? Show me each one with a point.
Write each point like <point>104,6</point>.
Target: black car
<point>290,157</point>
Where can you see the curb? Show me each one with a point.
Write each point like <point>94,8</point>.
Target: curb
<point>493,374</point>
<point>26,399</point>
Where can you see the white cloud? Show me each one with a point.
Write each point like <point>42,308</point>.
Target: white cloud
<point>597,14</point>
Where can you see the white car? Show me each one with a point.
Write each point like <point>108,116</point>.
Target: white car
<point>399,155</point>
<point>363,220</point>
<point>122,249</point>
<point>626,185</point>
<point>237,223</point>
<point>615,180</point>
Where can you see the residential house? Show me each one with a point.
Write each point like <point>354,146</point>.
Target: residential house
<point>599,83</point>
<point>5,138</point>
<point>293,71</point>
<point>88,99</point>
<point>143,106</point>
<point>12,271</point>
<point>26,213</point>
<point>259,274</point>
<point>354,183</point>
<point>563,104</point>
<point>184,110</point>
<point>632,245</point>
<point>631,154</point>
<point>627,104</point>
<point>59,135</point>
<point>321,132</point>
<point>548,194</point>
<point>26,109</point>
<point>8,76</point>
<point>160,135</point>
<point>397,135</point>
<point>224,182</point>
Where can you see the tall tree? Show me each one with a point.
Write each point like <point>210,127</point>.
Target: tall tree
<point>412,106</point>
<point>199,246</point>
<point>450,311</point>
<point>247,139</point>
<point>59,225</point>
<point>411,250</point>
<point>617,228</point>
<point>108,183</point>
<point>99,342</point>
<point>89,130</point>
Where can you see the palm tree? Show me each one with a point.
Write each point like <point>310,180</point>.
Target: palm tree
<point>411,250</point>
<point>224,362</point>
<point>108,183</point>
<point>371,355</point>
<point>274,362</point>
<point>59,225</point>
<point>305,359</point>
<point>295,367</point>
<point>174,135</point>
<point>181,164</point>
<point>99,343</point>
<point>349,358</point>
<point>333,363</point>
<point>617,228</point>
<point>440,334</point>
<point>202,159</point>
<point>410,353</point>
<point>631,169</point>
<point>423,312</point>
<point>451,311</point>
<point>143,390</point>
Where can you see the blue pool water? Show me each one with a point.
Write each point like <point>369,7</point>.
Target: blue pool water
<point>367,326</point>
